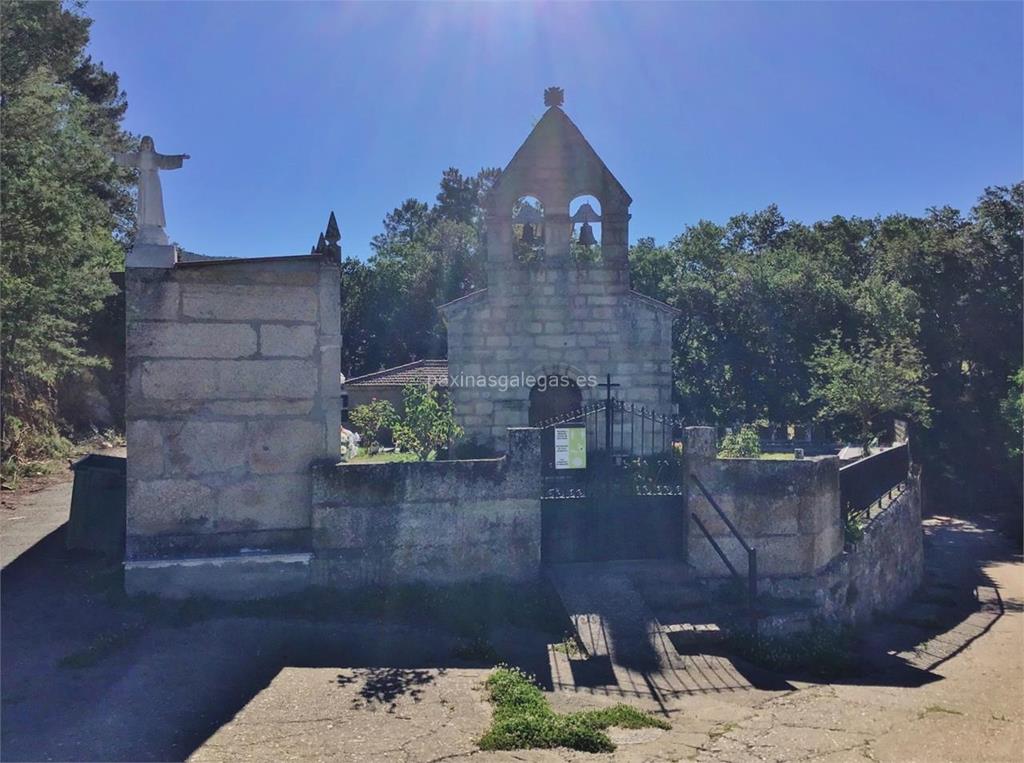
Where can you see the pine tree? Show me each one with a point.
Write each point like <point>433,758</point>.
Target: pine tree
<point>66,209</point>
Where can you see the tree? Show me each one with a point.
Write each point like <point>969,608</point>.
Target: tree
<point>651,268</point>
<point>846,321</point>
<point>1013,411</point>
<point>745,443</point>
<point>374,420</point>
<point>425,256</point>
<point>871,384</point>
<point>66,211</point>
<point>428,423</point>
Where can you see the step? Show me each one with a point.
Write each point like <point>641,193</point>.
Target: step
<point>640,616</point>
<point>608,613</point>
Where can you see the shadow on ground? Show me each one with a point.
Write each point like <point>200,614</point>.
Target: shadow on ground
<point>956,604</point>
<point>88,675</point>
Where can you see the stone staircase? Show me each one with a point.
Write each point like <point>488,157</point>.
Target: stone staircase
<point>643,613</point>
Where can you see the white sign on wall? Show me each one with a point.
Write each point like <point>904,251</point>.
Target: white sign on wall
<point>570,448</point>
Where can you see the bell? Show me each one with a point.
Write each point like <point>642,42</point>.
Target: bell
<point>587,235</point>
<point>528,235</point>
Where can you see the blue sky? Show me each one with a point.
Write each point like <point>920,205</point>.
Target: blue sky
<point>701,110</point>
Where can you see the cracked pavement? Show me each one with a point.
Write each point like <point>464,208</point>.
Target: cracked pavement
<point>956,695</point>
<point>944,678</point>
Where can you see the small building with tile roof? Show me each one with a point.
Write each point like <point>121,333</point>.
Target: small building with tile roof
<point>387,384</point>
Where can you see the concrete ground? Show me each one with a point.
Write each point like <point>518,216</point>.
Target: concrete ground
<point>31,514</point>
<point>88,677</point>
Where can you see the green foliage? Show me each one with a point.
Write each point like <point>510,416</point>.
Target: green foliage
<point>524,251</point>
<point>66,212</point>
<point>743,444</point>
<point>374,420</point>
<point>582,254</point>
<point>871,384</point>
<point>853,527</point>
<point>1013,412</point>
<point>425,256</point>
<point>524,720</point>
<point>761,297</point>
<point>374,456</point>
<point>428,423</point>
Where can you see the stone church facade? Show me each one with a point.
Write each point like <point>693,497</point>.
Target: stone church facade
<point>553,306</point>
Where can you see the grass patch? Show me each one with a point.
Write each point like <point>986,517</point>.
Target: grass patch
<point>778,456</point>
<point>381,457</point>
<point>822,652</point>
<point>571,647</point>
<point>524,720</point>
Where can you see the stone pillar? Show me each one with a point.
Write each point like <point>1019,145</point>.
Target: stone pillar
<point>701,442</point>
<point>233,391</point>
<point>524,451</point>
<point>499,249</point>
<point>615,247</point>
<point>557,232</point>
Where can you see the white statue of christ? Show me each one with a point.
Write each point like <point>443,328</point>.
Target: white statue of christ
<point>148,162</point>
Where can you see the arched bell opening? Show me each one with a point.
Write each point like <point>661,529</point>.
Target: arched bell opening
<point>528,230</point>
<point>585,215</point>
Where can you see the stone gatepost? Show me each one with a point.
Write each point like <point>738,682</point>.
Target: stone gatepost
<point>233,391</point>
<point>701,442</point>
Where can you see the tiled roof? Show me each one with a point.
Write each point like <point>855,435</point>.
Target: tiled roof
<point>417,372</point>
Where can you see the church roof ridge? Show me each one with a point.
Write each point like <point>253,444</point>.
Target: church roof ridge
<point>420,371</point>
<point>562,122</point>
<point>471,295</point>
<point>654,302</point>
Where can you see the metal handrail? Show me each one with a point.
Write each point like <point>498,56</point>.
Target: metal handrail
<point>751,551</point>
<point>714,544</point>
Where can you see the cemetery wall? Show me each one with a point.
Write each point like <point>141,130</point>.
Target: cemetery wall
<point>787,510</point>
<point>884,568</point>
<point>429,522</point>
<point>232,393</point>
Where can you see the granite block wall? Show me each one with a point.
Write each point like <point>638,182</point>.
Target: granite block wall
<point>555,319</point>
<point>232,393</point>
<point>787,510</point>
<point>429,522</point>
<point>882,570</point>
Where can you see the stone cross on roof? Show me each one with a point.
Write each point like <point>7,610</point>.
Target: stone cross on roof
<point>554,96</point>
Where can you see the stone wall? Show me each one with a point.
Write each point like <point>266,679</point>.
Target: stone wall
<point>232,393</point>
<point>881,571</point>
<point>555,320</point>
<point>429,522</point>
<point>787,510</point>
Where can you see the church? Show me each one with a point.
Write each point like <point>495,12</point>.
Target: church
<point>558,315</point>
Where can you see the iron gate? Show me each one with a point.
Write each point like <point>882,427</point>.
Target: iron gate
<point>628,501</point>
